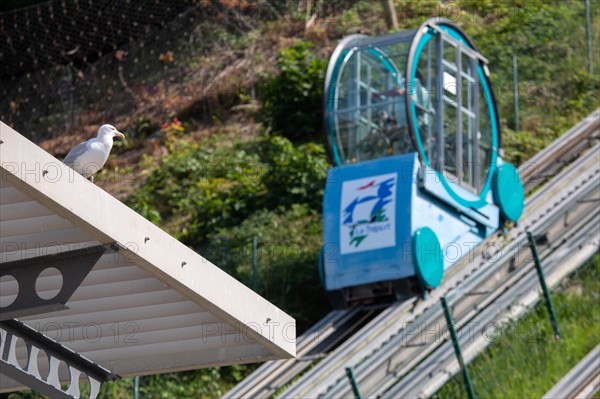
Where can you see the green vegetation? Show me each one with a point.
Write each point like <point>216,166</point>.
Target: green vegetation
<point>526,361</point>
<point>195,384</point>
<point>224,180</point>
<point>216,189</point>
<point>204,383</point>
<point>288,247</point>
<point>549,39</point>
<point>218,195</point>
<point>291,100</point>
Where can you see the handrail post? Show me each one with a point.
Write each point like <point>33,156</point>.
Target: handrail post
<point>546,291</point>
<point>350,374</point>
<point>457,349</point>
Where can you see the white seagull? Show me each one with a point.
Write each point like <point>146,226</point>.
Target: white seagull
<point>89,157</point>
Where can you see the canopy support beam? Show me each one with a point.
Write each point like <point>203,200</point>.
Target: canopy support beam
<point>29,375</point>
<point>74,266</point>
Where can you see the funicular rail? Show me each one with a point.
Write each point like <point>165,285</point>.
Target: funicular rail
<point>312,345</point>
<point>582,381</point>
<point>561,151</point>
<point>268,370</point>
<point>329,373</point>
<point>569,245</point>
<point>378,362</point>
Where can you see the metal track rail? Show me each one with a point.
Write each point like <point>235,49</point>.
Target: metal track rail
<point>371,340</point>
<point>563,150</point>
<point>582,381</point>
<point>328,378</point>
<point>266,373</point>
<point>313,344</point>
<point>513,302</point>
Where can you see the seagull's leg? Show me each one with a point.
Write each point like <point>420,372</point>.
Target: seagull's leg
<point>92,178</point>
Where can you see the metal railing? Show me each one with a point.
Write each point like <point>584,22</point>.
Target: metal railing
<point>382,350</point>
<point>582,381</point>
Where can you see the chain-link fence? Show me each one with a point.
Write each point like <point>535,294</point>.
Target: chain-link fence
<point>67,62</point>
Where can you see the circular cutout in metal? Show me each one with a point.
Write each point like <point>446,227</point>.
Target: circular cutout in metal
<point>49,283</point>
<point>10,290</point>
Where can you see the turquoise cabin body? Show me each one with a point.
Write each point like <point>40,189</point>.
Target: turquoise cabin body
<point>412,129</point>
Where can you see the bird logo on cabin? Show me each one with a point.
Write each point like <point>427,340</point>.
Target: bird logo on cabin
<point>368,207</point>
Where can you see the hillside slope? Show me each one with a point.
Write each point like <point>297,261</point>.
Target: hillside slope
<point>214,159</point>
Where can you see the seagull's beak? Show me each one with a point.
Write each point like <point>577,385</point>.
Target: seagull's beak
<point>122,137</point>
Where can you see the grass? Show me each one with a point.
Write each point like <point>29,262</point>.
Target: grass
<point>526,361</point>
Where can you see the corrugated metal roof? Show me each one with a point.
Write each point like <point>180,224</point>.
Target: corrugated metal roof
<point>152,306</point>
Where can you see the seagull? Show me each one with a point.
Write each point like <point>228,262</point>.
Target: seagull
<point>89,157</point>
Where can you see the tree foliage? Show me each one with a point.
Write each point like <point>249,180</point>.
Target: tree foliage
<point>201,187</point>
<point>292,99</point>
<point>219,193</point>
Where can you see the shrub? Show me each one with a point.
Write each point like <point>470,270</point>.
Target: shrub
<point>296,174</point>
<point>288,242</point>
<point>292,99</point>
<point>201,187</point>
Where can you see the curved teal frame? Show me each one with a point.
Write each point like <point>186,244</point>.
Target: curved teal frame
<point>385,61</point>
<point>485,84</point>
<point>329,115</point>
<point>418,43</point>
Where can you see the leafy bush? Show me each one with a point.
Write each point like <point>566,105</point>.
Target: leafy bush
<point>296,174</point>
<point>201,187</point>
<point>288,242</point>
<point>292,99</point>
<point>218,194</point>
<point>520,146</point>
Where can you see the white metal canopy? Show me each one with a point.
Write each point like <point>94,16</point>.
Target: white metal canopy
<point>153,306</point>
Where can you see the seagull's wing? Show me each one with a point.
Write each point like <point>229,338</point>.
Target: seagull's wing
<point>76,153</point>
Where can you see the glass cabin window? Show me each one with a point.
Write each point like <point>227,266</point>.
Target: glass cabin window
<point>367,111</point>
<point>369,118</point>
<point>453,123</point>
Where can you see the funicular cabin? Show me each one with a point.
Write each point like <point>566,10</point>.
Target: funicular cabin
<point>413,132</point>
